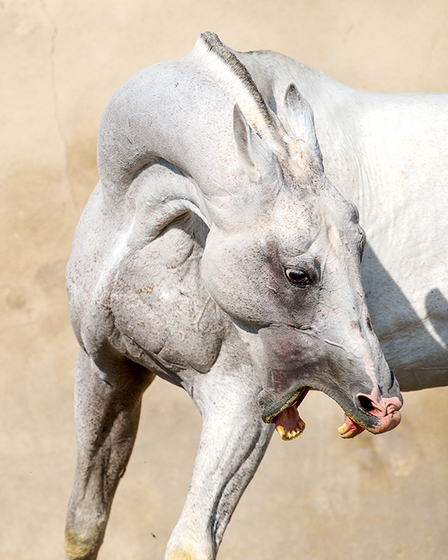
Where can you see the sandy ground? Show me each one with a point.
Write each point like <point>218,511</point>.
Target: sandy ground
<point>315,498</point>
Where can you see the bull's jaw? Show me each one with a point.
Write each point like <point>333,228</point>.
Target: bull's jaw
<point>297,360</point>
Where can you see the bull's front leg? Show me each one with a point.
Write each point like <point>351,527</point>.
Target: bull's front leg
<point>233,442</point>
<point>107,410</point>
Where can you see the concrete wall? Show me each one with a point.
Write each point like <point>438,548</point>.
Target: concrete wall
<point>316,498</point>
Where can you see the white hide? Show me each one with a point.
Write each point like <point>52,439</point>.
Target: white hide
<point>212,195</point>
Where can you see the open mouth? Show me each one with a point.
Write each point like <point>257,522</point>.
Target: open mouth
<point>367,411</point>
<point>349,428</point>
<point>290,425</point>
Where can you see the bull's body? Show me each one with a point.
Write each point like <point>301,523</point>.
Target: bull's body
<point>220,258</point>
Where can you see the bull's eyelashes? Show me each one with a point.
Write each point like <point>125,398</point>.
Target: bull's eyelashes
<point>298,276</point>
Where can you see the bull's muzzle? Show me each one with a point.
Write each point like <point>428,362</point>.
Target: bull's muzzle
<point>385,409</point>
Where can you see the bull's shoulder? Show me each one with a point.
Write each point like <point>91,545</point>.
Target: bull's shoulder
<point>134,279</point>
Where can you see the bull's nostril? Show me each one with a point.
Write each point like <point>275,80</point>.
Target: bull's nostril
<point>366,403</point>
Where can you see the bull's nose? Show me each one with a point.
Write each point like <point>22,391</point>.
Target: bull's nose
<point>381,407</point>
<point>386,409</point>
<point>367,403</point>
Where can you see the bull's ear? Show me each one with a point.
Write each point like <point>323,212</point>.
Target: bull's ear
<point>253,152</point>
<point>300,120</point>
<point>300,116</point>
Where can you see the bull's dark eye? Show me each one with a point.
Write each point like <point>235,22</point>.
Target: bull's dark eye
<point>298,277</point>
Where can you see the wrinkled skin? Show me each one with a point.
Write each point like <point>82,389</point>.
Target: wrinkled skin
<point>216,254</point>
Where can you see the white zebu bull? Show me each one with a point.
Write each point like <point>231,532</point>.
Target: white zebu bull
<point>216,254</point>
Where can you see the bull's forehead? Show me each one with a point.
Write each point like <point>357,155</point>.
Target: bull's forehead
<point>321,221</point>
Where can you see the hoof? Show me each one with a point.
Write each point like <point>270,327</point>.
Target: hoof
<point>80,548</point>
<point>188,553</point>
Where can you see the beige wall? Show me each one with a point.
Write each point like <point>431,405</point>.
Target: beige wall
<point>315,498</point>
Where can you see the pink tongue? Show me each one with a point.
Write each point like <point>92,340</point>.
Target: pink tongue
<point>288,423</point>
<point>349,429</point>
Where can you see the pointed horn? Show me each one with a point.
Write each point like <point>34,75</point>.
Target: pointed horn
<point>238,78</point>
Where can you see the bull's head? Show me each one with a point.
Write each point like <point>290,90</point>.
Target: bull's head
<point>287,271</point>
